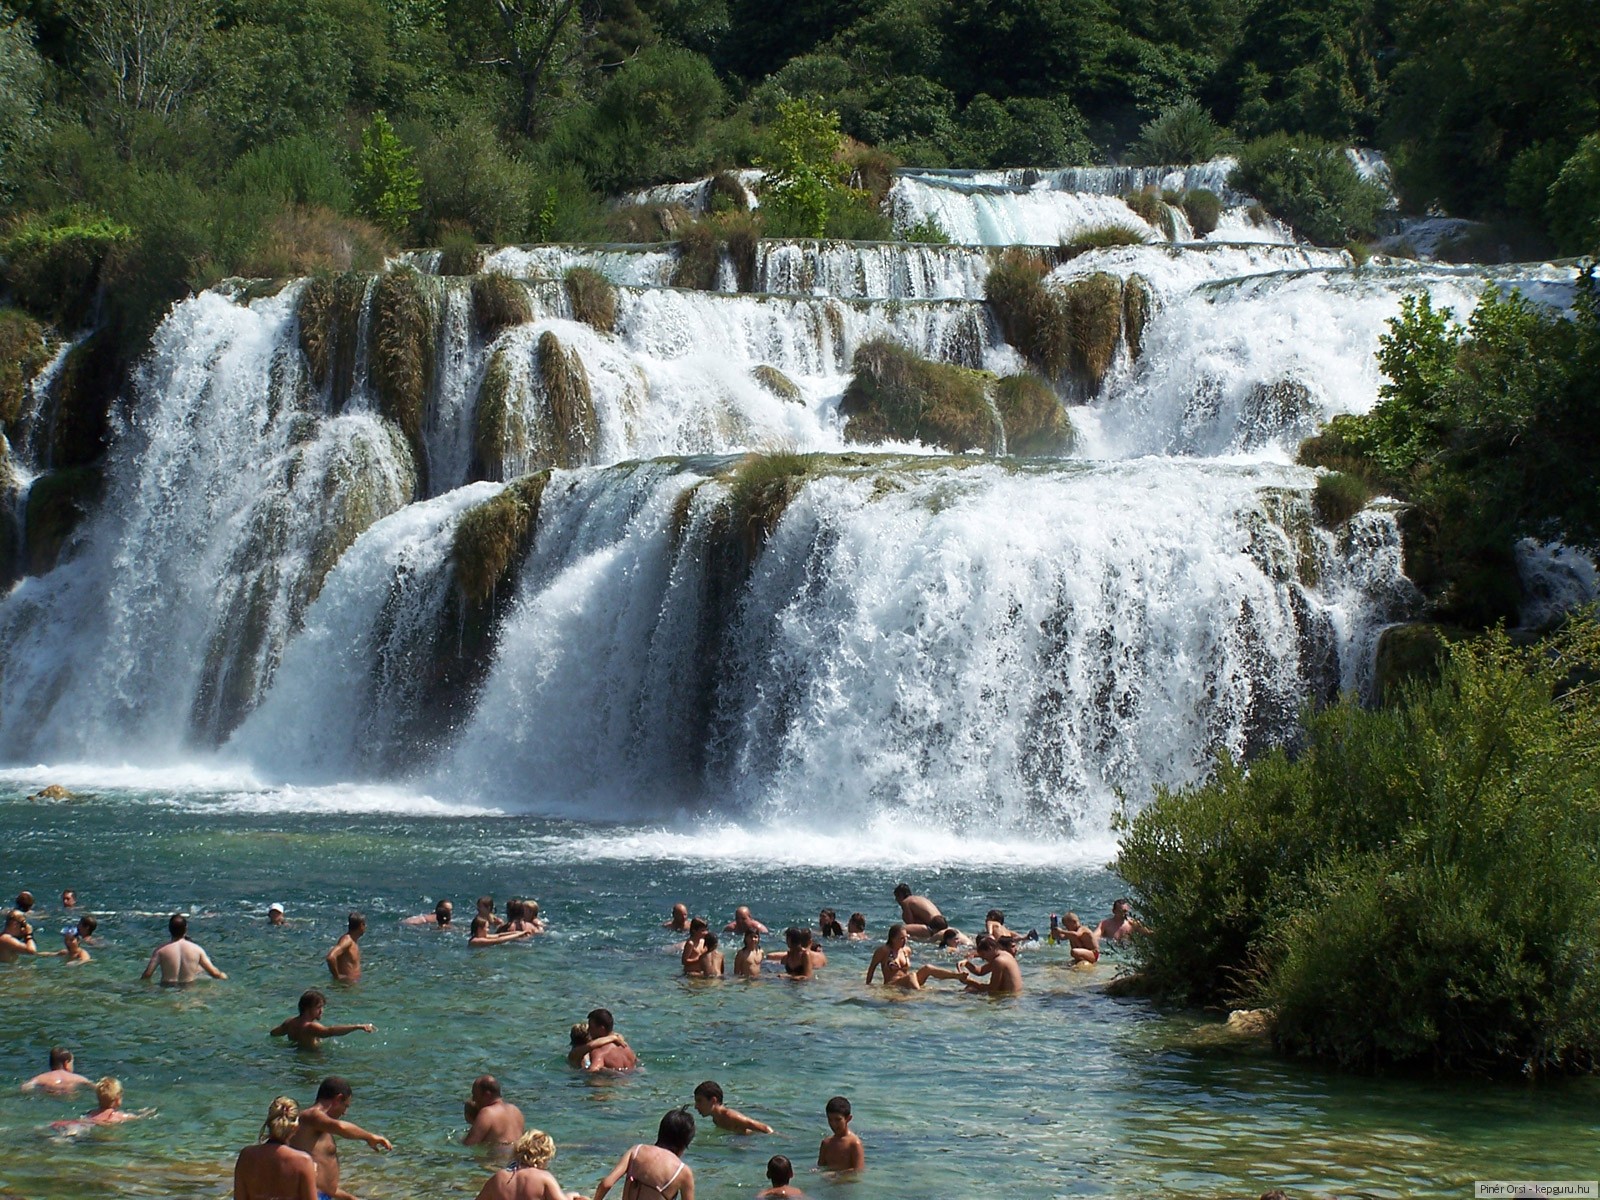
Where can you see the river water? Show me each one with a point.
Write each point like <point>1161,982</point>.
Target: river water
<point>1063,1091</point>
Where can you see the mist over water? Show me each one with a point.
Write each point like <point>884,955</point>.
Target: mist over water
<point>957,647</point>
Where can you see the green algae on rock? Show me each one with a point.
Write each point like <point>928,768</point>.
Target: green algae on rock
<point>895,393</point>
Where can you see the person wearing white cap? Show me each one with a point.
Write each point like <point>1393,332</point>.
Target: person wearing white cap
<point>275,914</point>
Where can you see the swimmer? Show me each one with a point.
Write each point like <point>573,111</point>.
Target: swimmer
<point>69,899</point>
<point>439,918</point>
<point>747,961</point>
<point>894,959</point>
<point>306,1029</point>
<point>17,938</point>
<point>486,911</point>
<point>818,958</point>
<point>523,916</point>
<point>953,939</point>
<point>828,924</point>
<point>1000,965</point>
<point>25,902</point>
<point>841,1150</point>
<point>60,1079</point>
<point>108,1095</point>
<point>856,927</point>
<point>678,922</point>
<point>478,935</point>
<point>495,1120</point>
<point>742,921</point>
<point>527,1177</point>
<point>707,964</point>
<point>656,1172</point>
<point>779,1172</point>
<point>1120,925</point>
<point>344,960</point>
<point>73,954</point>
<point>275,916</point>
<point>323,1121</point>
<point>272,1169</point>
<point>708,1103</point>
<point>180,960</point>
<point>921,916</point>
<point>1084,941</point>
<point>694,945</point>
<point>796,960</point>
<point>603,1047</point>
<point>995,926</point>
<point>87,924</point>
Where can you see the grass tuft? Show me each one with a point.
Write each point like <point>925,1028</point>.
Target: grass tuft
<point>1035,421</point>
<point>494,537</point>
<point>498,303</point>
<point>593,298</point>
<point>895,393</point>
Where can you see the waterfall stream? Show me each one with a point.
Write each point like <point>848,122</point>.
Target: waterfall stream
<point>275,577</point>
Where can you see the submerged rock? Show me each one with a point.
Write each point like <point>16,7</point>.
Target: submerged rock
<point>1281,411</point>
<point>52,792</point>
<point>779,384</point>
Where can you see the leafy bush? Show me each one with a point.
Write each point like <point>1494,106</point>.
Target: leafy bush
<point>1573,209</point>
<point>1203,209</point>
<point>895,393</point>
<point>1338,498</point>
<point>928,231</point>
<point>1312,185</point>
<point>1180,134</point>
<point>307,170</point>
<point>1362,888</point>
<point>1022,131</point>
<point>389,187</point>
<point>805,175</point>
<point>459,252</point>
<point>470,179</point>
<point>53,262</point>
<point>1150,208</point>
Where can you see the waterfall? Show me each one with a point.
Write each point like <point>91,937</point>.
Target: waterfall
<point>280,576</point>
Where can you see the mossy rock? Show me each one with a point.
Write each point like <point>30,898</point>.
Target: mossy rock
<point>593,298</point>
<point>54,263</point>
<point>571,430</point>
<point>1030,317</point>
<point>493,538</point>
<point>1338,498</point>
<point>1204,210</point>
<point>1413,653</point>
<point>1138,299</point>
<point>57,504</point>
<point>24,352</point>
<point>12,564</point>
<point>726,194</point>
<point>500,435</point>
<point>1149,206</point>
<point>895,393</point>
<point>741,235</point>
<point>402,357</point>
<point>759,492</point>
<point>80,413</point>
<point>1034,419</point>
<point>699,258</point>
<point>330,308</point>
<point>779,384</point>
<point>499,302</point>
<point>1093,307</point>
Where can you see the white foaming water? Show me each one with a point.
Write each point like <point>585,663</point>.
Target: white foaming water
<point>971,648</point>
<point>888,271</point>
<point>626,266</point>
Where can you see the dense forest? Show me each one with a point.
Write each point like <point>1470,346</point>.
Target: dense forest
<point>184,140</point>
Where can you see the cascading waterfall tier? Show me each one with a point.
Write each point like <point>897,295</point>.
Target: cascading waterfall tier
<point>700,599</point>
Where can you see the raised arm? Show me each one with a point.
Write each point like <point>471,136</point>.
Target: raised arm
<point>577,1054</point>
<point>321,1030</point>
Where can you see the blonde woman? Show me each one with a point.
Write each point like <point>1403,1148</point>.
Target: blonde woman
<point>273,1170</point>
<point>526,1178</point>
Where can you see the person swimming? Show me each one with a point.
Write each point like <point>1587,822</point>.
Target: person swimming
<point>656,1172</point>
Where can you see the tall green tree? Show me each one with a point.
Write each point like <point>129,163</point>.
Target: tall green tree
<point>21,80</point>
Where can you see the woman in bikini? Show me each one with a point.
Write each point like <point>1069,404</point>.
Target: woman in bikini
<point>656,1172</point>
<point>526,1177</point>
<point>894,957</point>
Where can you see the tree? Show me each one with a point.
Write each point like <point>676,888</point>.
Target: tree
<point>805,175</point>
<point>147,53</point>
<point>21,75</point>
<point>389,189</point>
<point>533,40</point>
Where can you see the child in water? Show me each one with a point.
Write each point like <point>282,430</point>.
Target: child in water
<point>779,1172</point>
<point>841,1150</point>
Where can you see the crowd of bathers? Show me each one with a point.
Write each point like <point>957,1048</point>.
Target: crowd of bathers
<point>297,1158</point>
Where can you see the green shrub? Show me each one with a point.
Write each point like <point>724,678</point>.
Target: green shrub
<point>1034,419</point>
<point>1028,314</point>
<point>306,169</point>
<point>895,393</point>
<point>1203,209</point>
<point>1361,889</point>
<point>459,252</point>
<point>854,217</point>
<point>1359,252</point>
<point>53,262</point>
<point>593,298</point>
<point>1338,498</point>
<point>24,352</point>
<point>1573,209</point>
<point>498,303</point>
<point>469,179</point>
<point>928,231</point>
<point>1312,185</point>
<point>1180,134</point>
<point>1149,207</point>
<point>727,194</point>
<point>805,171</point>
<point>1410,654</point>
<point>872,170</point>
<point>699,258</point>
<point>1101,237</point>
<point>388,184</point>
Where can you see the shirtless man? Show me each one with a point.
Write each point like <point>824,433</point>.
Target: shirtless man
<point>921,916</point>
<point>678,922</point>
<point>322,1122</point>
<point>72,940</point>
<point>17,939</point>
<point>1084,941</point>
<point>69,899</point>
<point>60,1079</point>
<point>1120,925</point>
<point>701,958</point>
<point>605,1049</point>
<point>747,961</point>
<point>306,1029</point>
<point>1005,976</point>
<point>180,960</point>
<point>344,960</point>
<point>486,911</point>
<point>495,1120</point>
<point>894,959</point>
<point>743,922</point>
<point>274,1170</point>
<point>439,918</point>
<point>25,902</point>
